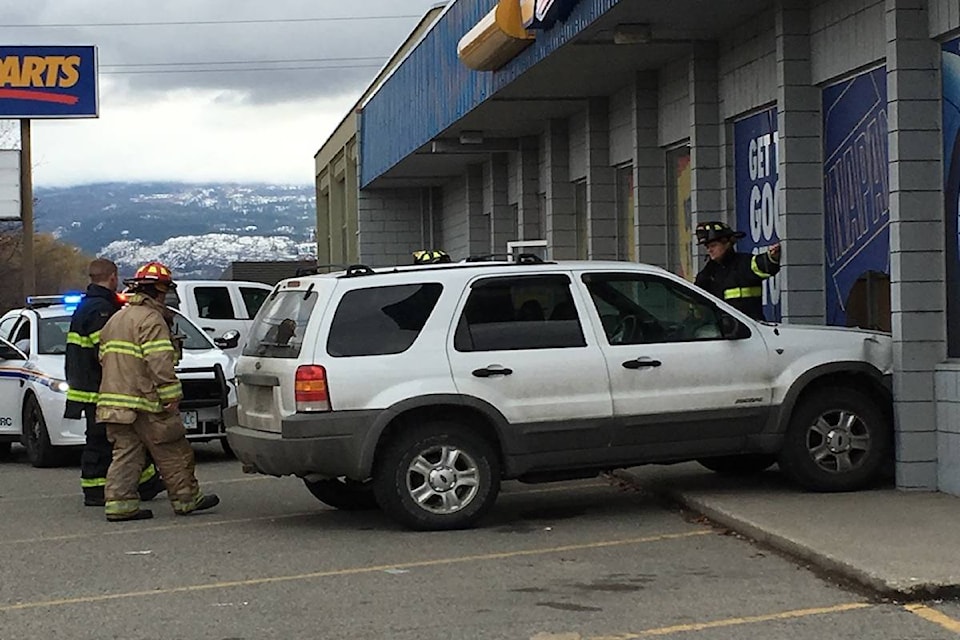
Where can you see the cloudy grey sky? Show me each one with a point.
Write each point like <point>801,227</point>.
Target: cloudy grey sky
<point>285,78</point>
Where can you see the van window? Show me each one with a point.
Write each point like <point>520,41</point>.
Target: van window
<point>253,299</point>
<point>381,320</point>
<point>213,303</point>
<point>281,324</point>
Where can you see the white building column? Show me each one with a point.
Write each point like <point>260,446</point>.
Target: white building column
<point>601,184</point>
<point>917,273</point>
<point>503,226</point>
<point>528,187</point>
<point>706,139</point>
<point>800,168</point>
<point>649,173</point>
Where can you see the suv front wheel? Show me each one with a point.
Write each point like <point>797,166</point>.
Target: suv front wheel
<point>838,440</point>
<point>437,476</point>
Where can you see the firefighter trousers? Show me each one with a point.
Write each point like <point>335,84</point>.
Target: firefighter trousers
<point>95,460</point>
<point>162,436</point>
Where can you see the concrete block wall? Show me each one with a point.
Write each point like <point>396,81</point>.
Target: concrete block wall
<point>621,127</point>
<point>503,223</point>
<point>917,268</point>
<point>649,172</point>
<point>527,167</point>
<point>845,35</point>
<point>454,224</point>
<point>947,389</point>
<point>390,223</point>
<point>673,98</point>
<point>602,233</point>
<point>747,66</point>
<point>943,17</point>
<point>577,153</point>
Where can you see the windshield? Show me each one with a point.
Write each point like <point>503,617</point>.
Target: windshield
<point>281,324</point>
<point>52,336</point>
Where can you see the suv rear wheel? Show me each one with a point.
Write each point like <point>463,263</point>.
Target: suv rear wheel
<point>343,493</point>
<point>838,440</point>
<point>437,476</point>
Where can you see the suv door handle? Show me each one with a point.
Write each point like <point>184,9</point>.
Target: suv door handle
<point>492,370</point>
<point>639,364</point>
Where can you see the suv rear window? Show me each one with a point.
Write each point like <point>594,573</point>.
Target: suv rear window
<point>381,320</point>
<point>281,324</point>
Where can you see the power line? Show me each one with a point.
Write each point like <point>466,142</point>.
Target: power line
<point>136,72</point>
<point>180,23</point>
<point>225,62</point>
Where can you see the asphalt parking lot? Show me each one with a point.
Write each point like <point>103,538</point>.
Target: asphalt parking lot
<point>587,559</point>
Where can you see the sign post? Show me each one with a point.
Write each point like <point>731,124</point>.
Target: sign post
<point>43,82</point>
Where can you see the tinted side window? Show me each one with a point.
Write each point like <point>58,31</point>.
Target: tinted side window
<point>253,299</point>
<point>642,309</point>
<point>526,312</point>
<point>214,303</point>
<point>381,320</point>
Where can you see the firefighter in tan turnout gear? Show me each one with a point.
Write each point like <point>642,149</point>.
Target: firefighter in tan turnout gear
<point>139,401</point>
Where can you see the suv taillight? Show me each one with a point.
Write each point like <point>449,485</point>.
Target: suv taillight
<point>310,389</point>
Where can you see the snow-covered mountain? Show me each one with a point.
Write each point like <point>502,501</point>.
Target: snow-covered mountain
<point>198,229</point>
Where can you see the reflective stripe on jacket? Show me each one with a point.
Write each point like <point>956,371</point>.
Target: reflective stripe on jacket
<point>738,279</point>
<point>138,360</point>
<point>81,363</point>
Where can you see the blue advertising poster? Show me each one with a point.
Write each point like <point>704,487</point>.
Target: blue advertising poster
<point>950,63</point>
<point>755,168</point>
<point>48,82</point>
<point>856,186</point>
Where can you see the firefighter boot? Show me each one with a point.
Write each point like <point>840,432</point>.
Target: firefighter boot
<point>93,497</point>
<point>139,514</point>
<point>148,490</point>
<point>205,502</point>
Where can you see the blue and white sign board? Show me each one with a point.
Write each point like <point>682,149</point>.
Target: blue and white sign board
<point>548,12</point>
<point>9,184</point>
<point>755,169</point>
<point>856,185</point>
<point>48,82</point>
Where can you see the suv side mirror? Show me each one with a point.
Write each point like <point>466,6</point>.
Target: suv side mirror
<point>228,340</point>
<point>733,329</point>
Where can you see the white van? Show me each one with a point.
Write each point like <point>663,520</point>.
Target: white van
<point>218,306</point>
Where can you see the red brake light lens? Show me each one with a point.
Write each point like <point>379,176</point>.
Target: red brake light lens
<point>310,389</point>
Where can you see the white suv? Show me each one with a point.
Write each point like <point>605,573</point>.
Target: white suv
<point>419,389</point>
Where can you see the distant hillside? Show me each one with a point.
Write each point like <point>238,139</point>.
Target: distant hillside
<point>197,229</point>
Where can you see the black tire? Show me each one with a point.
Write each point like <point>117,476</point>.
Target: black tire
<point>740,466</point>
<point>461,483</point>
<point>227,449</point>
<point>5,453</point>
<point>36,439</point>
<point>839,439</point>
<point>343,493</point>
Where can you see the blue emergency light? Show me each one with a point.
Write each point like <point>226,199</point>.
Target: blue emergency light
<point>68,300</point>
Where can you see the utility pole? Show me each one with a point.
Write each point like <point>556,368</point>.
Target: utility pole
<point>28,265</point>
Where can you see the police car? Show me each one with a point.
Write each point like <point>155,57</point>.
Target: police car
<point>33,390</point>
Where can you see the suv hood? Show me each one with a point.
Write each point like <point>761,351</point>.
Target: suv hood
<point>875,347</point>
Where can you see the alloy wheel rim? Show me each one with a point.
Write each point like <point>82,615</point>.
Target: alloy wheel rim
<point>838,441</point>
<point>443,479</point>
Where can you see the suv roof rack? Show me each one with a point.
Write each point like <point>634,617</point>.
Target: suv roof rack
<point>315,270</point>
<point>355,270</point>
<point>523,258</point>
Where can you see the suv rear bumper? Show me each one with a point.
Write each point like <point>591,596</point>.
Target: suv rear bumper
<point>327,444</point>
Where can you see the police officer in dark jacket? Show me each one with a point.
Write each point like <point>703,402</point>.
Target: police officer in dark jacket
<point>83,377</point>
<point>736,278</point>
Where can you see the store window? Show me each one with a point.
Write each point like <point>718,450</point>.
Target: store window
<point>679,217</point>
<point>626,225</point>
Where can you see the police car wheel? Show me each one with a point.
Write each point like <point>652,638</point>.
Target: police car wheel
<point>40,452</point>
<point>437,476</point>
<point>5,449</point>
<point>343,493</point>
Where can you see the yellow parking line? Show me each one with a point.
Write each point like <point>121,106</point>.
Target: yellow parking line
<point>934,616</point>
<point>353,571</point>
<point>734,622</point>
<point>196,524</point>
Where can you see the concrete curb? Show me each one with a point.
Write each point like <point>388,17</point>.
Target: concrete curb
<point>884,587</point>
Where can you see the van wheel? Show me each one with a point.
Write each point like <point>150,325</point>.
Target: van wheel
<point>343,493</point>
<point>838,440</point>
<point>739,466</point>
<point>40,452</point>
<point>437,476</point>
